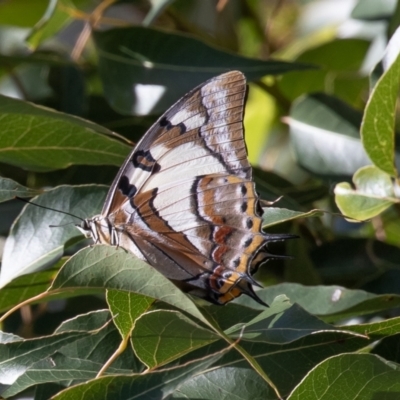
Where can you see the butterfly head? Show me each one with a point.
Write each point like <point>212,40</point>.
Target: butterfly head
<point>100,230</point>
<point>87,227</point>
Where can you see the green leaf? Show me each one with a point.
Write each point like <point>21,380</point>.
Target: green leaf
<point>150,386</point>
<point>107,267</point>
<point>17,356</point>
<point>376,330</point>
<point>331,303</point>
<point>79,359</point>
<point>373,194</point>
<point>351,376</point>
<point>286,365</point>
<point>324,133</point>
<point>378,126</point>
<point>308,274</point>
<point>57,15</point>
<point>140,79</point>
<point>41,139</point>
<point>157,7</point>
<point>58,368</point>
<point>10,12</point>
<point>102,342</point>
<point>339,61</point>
<point>125,308</point>
<point>273,216</point>
<point>162,336</point>
<point>32,243</point>
<point>282,323</point>
<point>271,187</point>
<point>25,287</point>
<point>9,189</point>
<point>373,10</point>
<point>226,383</point>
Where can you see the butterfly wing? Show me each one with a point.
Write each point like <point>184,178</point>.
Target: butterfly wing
<point>184,198</point>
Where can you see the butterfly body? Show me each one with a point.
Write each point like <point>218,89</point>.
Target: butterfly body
<point>184,200</point>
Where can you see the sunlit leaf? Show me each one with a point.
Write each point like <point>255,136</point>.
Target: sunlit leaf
<point>378,126</point>
<point>41,139</point>
<point>373,194</point>
<point>32,243</point>
<point>371,377</point>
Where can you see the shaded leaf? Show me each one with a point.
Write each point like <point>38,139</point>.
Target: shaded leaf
<point>157,7</point>
<point>155,385</point>
<point>58,368</point>
<point>25,287</point>
<point>162,336</point>
<point>225,384</point>
<point>101,344</point>
<point>287,364</point>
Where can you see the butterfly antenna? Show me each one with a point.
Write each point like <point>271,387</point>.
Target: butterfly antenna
<point>49,208</point>
<point>59,226</point>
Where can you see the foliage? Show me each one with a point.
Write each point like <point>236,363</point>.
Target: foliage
<point>95,322</point>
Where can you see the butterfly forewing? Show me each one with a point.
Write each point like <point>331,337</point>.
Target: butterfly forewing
<point>184,199</point>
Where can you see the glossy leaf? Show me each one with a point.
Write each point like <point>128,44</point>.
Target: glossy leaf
<point>330,303</point>
<point>107,267</point>
<point>41,139</point>
<point>139,79</point>
<point>16,357</point>
<point>32,243</point>
<point>9,189</point>
<point>324,133</point>
<point>282,323</point>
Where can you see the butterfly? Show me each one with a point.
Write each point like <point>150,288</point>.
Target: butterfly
<point>184,200</point>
